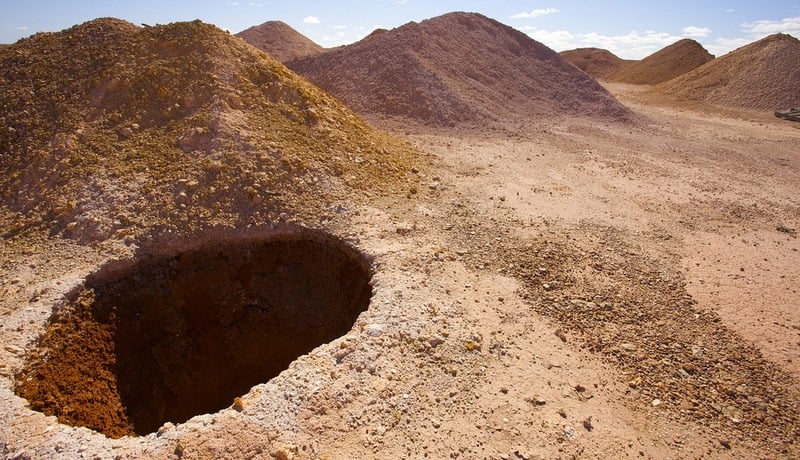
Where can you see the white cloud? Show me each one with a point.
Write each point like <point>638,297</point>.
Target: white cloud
<point>233,3</point>
<point>725,45</point>
<point>633,45</point>
<point>763,28</point>
<point>401,2</point>
<point>535,13</point>
<point>730,10</point>
<point>341,26</point>
<point>23,28</point>
<point>255,4</point>
<point>693,31</point>
<point>311,20</point>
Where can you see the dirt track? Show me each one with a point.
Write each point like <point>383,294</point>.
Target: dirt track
<point>579,291</point>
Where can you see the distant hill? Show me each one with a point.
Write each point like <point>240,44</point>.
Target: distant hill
<point>764,75</point>
<point>459,68</point>
<point>674,60</point>
<point>280,40</point>
<point>598,63</point>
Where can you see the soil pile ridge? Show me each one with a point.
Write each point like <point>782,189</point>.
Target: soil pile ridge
<point>674,60</point>
<point>459,68</point>
<point>759,76</point>
<point>280,41</point>
<point>598,63</point>
<point>108,128</point>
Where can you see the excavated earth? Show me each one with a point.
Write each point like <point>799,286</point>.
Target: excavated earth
<point>759,76</point>
<point>458,69</point>
<point>587,289</point>
<point>665,64</point>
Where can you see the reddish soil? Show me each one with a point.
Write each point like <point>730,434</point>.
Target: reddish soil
<point>598,63</point>
<point>759,76</point>
<point>280,41</point>
<point>459,68</point>
<point>674,60</point>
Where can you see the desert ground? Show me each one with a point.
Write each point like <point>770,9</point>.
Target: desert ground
<point>568,289</point>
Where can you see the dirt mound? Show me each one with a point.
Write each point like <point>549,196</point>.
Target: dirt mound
<point>459,68</point>
<point>598,63</point>
<point>665,64</point>
<point>110,129</point>
<point>759,76</point>
<point>280,41</point>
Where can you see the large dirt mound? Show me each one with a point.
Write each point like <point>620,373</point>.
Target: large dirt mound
<point>760,76</point>
<point>280,41</point>
<point>107,128</point>
<point>598,63</point>
<point>674,60</point>
<point>459,68</point>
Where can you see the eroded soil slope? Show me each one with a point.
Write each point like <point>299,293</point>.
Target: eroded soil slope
<point>280,41</point>
<point>459,68</point>
<point>758,76</point>
<point>104,120</point>
<point>674,60</point>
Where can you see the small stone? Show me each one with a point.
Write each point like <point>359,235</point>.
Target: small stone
<point>375,330</point>
<point>504,390</point>
<point>125,132</point>
<point>283,454</point>
<point>436,423</point>
<point>587,423</point>
<point>569,433</point>
<point>238,404</point>
<point>629,347</point>
<point>560,334</point>
<point>655,403</point>
<point>14,350</point>
<point>435,341</point>
<point>164,428</point>
<point>725,443</point>
<point>562,413</point>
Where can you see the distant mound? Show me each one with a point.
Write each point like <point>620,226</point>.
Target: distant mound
<point>460,68</point>
<point>760,76</point>
<point>598,63</point>
<point>674,60</point>
<point>107,128</point>
<point>280,41</point>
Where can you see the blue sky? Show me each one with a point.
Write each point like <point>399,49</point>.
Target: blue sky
<point>631,29</point>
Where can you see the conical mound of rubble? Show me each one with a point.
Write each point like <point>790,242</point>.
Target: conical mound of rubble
<point>674,60</point>
<point>760,76</point>
<point>598,63</point>
<point>280,41</point>
<point>109,128</point>
<point>458,69</point>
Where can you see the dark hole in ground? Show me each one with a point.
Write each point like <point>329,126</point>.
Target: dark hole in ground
<point>181,335</point>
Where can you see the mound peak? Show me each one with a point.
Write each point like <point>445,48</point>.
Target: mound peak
<point>459,68</point>
<point>280,41</point>
<point>665,64</point>
<point>108,127</point>
<point>597,62</point>
<point>759,76</point>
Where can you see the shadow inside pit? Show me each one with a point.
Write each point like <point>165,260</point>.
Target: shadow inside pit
<point>183,335</point>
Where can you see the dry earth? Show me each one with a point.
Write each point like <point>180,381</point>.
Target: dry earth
<point>566,289</point>
<point>578,291</point>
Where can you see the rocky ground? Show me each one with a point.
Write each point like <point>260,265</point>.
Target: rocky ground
<point>572,290</point>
